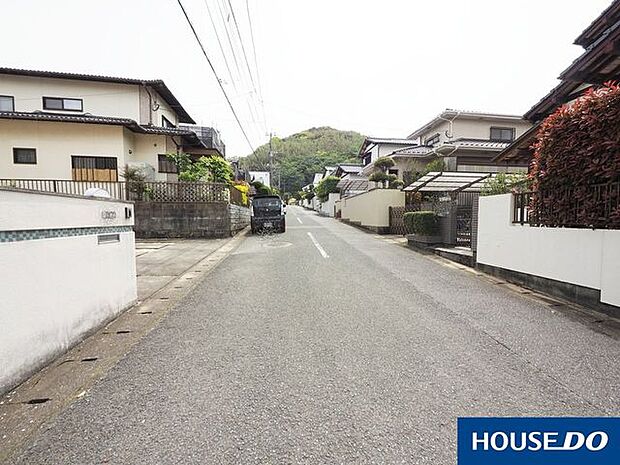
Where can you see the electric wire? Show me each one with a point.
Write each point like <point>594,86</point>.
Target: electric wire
<point>219,81</point>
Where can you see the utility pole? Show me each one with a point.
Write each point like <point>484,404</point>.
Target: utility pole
<point>270,161</point>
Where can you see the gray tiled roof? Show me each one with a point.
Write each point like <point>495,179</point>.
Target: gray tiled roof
<point>93,119</point>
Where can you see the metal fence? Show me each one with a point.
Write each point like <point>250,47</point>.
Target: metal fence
<point>397,219</point>
<point>135,190</point>
<point>593,206</point>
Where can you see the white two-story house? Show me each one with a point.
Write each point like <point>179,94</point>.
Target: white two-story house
<point>87,128</point>
<point>464,140</point>
<point>469,141</point>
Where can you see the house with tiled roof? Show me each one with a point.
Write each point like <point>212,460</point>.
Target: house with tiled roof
<point>464,140</point>
<point>67,126</point>
<point>373,148</point>
<point>469,141</point>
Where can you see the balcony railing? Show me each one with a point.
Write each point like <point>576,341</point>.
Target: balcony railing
<point>209,136</point>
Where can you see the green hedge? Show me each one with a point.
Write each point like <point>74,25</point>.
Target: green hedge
<point>424,223</point>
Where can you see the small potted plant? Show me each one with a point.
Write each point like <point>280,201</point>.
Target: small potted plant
<point>422,227</point>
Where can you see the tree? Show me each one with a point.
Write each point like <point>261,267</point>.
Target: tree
<point>327,186</point>
<point>503,183</point>
<point>212,168</point>
<point>218,169</point>
<point>261,189</point>
<point>299,156</point>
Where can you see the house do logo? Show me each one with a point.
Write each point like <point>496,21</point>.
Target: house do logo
<point>564,440</point>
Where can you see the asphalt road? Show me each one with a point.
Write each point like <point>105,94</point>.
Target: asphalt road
<point>329,345</point>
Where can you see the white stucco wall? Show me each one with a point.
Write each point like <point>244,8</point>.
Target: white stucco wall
<point>327,207</point>
<point>55,290</point>
<point>372,208</point>
<point>261,176</point>
<point>56,142</point>
<point>99,98</point>
<point>589,258</point>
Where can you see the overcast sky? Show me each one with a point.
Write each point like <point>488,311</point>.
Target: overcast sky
<point>380,67</point>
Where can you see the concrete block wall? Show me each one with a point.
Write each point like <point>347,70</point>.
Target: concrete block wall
<point>189,219</point>
<point>239,218</point>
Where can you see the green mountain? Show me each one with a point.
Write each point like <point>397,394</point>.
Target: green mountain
<point>299,156</point>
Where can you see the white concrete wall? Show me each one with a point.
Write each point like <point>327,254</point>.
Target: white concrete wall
<point>589,258</point>
<point>327,207</point>
<point>56,290</point>
<point>372,208</point>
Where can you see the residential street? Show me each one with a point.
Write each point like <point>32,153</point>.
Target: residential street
<point>327,344</point>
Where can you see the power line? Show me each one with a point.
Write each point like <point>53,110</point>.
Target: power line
<point>221,4</point>
<point>232,80</point>
<point>260,90</point>
<point>232,48</point>
<point>219,81</point>
<point>245,56</point>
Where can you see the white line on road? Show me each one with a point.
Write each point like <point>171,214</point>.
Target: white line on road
<point>298,219</point>
<point>318,246</point>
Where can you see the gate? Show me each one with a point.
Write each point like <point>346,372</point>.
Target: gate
<point>464,214</point>
<point>463,225</point>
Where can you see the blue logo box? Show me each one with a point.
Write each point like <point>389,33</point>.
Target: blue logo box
<point>539,441</point>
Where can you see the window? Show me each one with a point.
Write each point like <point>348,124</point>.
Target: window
<point>502,134</point>
<point>58,103</point>
<point>393,171</point>
<point>432,140</point>
<point>166,123</point>
<point>25,156</point>
<point>166,165</point>
<point>7,103</point>
<point>94,168</point>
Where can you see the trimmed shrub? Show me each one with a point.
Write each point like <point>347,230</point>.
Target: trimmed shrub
<point>575,157</point>
<point>424,223</point>
<point>378,176</point>
<point>383,163</point>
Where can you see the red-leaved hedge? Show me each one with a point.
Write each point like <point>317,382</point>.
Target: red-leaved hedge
<point>576,166</point>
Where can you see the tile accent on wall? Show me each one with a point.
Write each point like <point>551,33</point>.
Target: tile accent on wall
<point>35,234</point>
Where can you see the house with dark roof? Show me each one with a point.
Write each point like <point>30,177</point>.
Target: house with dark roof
<point>82,127</point>
<point>469,141</point>
<point>598,63</point>
<point>374,148</point>
<point>464,140</point>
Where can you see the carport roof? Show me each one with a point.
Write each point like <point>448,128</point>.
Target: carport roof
<point>352,182</point>
<point>449,181</point>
